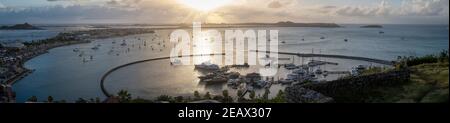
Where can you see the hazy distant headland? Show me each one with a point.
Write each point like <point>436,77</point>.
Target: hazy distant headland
<point>279,24</point>
<point>24,26</point>
<point>372,26</point>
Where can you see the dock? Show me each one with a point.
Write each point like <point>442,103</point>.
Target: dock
<point>379,61</point>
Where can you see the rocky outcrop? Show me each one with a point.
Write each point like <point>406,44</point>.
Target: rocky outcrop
<point>24,26</point>
<point>298,94</point>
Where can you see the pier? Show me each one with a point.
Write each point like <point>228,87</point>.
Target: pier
<point>379,61</point>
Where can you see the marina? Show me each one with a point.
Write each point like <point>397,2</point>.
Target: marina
<point>112,52</point>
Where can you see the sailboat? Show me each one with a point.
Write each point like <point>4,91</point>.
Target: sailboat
<point>124,43</point>
<point>319,71</point>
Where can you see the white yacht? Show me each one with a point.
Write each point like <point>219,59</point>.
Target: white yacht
<point>176,62</point>
<point>207,66</point>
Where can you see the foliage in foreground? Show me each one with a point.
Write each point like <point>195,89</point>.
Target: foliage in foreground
<point>410,61</point>
<point>124,96</point>
<point>428,83</point>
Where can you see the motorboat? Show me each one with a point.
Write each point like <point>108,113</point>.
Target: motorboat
<point>216,79</point>
<point>95,48</point>
<point>299,71</point>
<point>286,81</point>
<point>325,73</point>
<point>290,66</point>
<point>319,71</point>
<point>233,82</point>
<point>124,43</point>
<point>76,50</point>
<point>207,66</point>
<point>313,63</point>
<point>175,62</point>
<point>293,76</point>
<point>260,83</point>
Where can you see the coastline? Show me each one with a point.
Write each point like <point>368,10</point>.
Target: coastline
<point>112,32</point>
<point>63,39</point>
<point>154,29</point>
<point>27,71</point>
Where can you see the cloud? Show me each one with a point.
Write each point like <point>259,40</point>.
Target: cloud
<point>67,1</point>
<point>2,6</point>
<point>123,3</point>
<point>425,7</point>
<point>407,8</point>
<point>126,11</point>
<point>382,9</point>
<point>170,11</point>
<point>275,4</point>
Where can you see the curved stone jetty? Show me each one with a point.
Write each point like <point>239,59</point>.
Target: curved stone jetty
<point>102,81</point>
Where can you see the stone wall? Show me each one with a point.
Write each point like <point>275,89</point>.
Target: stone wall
<point>354,89</point>
<point>298,94</point>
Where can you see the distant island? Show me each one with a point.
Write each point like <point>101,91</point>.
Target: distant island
<point>24,26</point>
<point>372,26</point>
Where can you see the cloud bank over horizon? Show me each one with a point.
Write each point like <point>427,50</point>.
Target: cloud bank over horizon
<point>171,11</point>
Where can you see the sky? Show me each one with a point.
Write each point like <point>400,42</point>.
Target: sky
<point>225,11</point>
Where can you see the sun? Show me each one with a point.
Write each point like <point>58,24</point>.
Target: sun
<point>204,5</point>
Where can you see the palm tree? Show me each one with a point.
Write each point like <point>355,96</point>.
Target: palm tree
<point>266,94</point>
<point>124,96</point>
<point>240,93</point>
<point>252,95</point>
<point>226,97</point>
<point>225,93</point>
<point>50,99</point>
<point>97,100</point>
<point>81,100</point>
<point>207,96</point>
<point>179,99</point>
<point>197,95</point>
<point>32,99</point>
